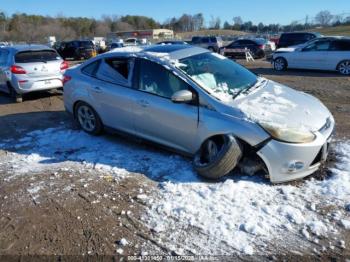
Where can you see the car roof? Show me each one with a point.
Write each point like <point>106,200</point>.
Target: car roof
<point>172,52</point>
<point>20,48</point>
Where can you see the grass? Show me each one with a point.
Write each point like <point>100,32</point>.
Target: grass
<point>337,30</point>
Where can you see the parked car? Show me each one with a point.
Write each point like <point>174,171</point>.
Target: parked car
<point>131,42</point>
<point>77,49</point>
<point>172,42</point>
<point>115,45</point>
<point>325,53</point>
<point>297,38</point>
<point>203,105</point>
<point>257,47</point>
<point>212,43</point>
<point>29,68</point>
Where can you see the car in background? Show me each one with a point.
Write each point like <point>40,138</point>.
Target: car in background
<point>29,68</point>
<point>297,38</point>
<point>172,42</point>
<point>77,49</point>
<point>203,105</point>
<point>115,45</point>
<point>258,47</point>
<point>212,43</point>
<point>131,42</point>
<point>324,53</point>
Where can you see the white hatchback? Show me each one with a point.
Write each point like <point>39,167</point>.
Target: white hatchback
<point>325,53</point>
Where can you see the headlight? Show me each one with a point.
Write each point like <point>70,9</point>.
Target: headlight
<point>291,135</point>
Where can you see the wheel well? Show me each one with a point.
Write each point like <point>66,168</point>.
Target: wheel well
<point>337,68</point>
<point>248,151</point>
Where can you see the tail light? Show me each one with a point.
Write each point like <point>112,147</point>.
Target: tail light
<point>261,46</point>
<point>17,70</point>
<point>64,66</point>
<point>66,79</point>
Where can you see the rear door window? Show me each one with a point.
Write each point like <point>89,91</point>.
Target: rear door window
<point>340,45</point>
<point>91,69</point>
<point>116,70</point>
<point>36,56</point>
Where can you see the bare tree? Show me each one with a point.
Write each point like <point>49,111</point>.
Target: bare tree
<point>324,18</point>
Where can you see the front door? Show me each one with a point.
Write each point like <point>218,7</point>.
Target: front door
<point>158,118</point>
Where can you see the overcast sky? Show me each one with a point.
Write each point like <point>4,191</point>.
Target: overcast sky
<point>267,11</point>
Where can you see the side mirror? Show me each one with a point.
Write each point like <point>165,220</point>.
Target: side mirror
<point>182,96</point>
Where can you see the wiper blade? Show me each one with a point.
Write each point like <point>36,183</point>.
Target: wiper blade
<point>246,90</point>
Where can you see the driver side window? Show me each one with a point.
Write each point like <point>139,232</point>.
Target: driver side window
<point>155,79</point>
<point>318,46</point>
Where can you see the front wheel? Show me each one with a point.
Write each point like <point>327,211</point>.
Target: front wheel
<point>88,119</point>
<point>280,64</point>
<point>217,156</point>
<point>344,67</point>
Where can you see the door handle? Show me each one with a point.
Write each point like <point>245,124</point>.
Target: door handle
<point>143,103</point>
<point>97,89</point>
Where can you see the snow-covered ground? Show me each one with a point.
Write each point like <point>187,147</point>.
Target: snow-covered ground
<point>240,214</point>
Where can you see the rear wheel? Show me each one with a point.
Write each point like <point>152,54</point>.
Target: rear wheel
<point>280,64</point>
<point>218,156</point>
<point>88,119</point>
<point>344,67</point>
<point>13,94</point>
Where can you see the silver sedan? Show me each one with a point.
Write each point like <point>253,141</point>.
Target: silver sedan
<point>203,105</point>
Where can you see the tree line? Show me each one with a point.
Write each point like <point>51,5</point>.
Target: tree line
<point>35,28</point>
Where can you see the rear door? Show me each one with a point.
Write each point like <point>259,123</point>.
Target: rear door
<point>110,86</point>
<point>39,63</point>
<point>157,117</point>
<point>339,51</point>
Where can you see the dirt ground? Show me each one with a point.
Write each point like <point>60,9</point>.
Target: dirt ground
<point>81,214</point>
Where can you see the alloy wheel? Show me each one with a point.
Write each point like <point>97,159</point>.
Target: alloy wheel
<point>86,118</point>
<point>344,68</point>
<point>279,64</point>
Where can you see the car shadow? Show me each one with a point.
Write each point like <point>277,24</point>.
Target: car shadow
<point>6,99</point>
<point>53,139</point>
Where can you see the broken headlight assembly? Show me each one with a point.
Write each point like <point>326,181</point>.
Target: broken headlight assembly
<point>289,135</point>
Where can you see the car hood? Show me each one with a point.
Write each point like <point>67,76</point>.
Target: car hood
<point>284,107</point>
<point>288,49</point>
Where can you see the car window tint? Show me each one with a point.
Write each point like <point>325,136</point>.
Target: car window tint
<point>3,56</point>
<point>36,56</point>
<point>213,39</point>
<point>115,70</point>
<point>340,45</point>
<point>120,65</point>
<point>91,68</point>
<point>318,46</point>
<point>205,40</point>
<point>155,79</point>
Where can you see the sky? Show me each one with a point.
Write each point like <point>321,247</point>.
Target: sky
<point>267,11</point>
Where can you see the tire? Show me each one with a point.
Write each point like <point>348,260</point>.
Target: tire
<point>87,119</point>
<point>224,161</point>
<point>13,94</point>
<point>344,67</point>
<point>280,64</point>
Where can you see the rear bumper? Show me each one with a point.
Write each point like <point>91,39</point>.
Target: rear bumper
<point>279,157</point>
<point>28,85</point>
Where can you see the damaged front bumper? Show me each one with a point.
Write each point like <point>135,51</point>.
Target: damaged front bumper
<point>289,161</point>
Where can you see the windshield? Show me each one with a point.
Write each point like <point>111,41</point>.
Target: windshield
<point>217,74</point>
